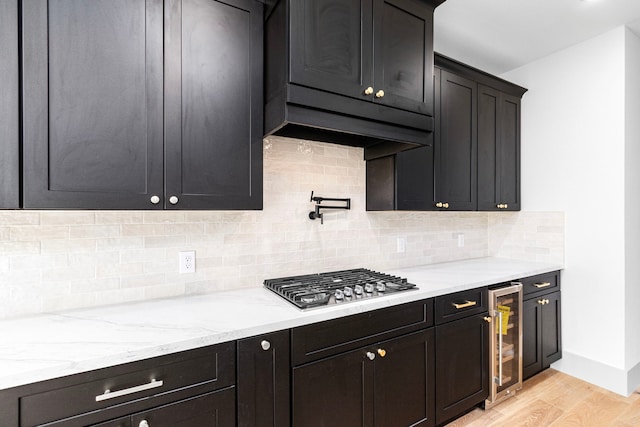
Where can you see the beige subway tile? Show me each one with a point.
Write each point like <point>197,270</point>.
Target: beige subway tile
<point>163,217</point>
<point>68,246</point>
<point>68,302</point>
<point>39,262</point>
<point>19,218</point>
<point>75,272</point>
<point>119,243</point>
<point>93,231</point>
<point>118,217</point>
<point>204,216</point>
<point>119,296</point>
<point>94,285</point>
<point>39,232</point>
<point>120,270</point>
<point>129,230</point>
<point>94,258</point>
<point>19,248</point>
<point>207,262</point>
<point>184,229</point>
<point>67,217</point>
<point>141,255</point>
<point>142,280</point>
<point>164,241</point>
<point>239,260</point>
<point>164,266</point>
<point>231,239</point>
<point>4,234</point>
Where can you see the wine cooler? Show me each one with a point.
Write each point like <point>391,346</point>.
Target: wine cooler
<point>505,354</point>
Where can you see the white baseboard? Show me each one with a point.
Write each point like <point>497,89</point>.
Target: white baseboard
<point>616,380</point>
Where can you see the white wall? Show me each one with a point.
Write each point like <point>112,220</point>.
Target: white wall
<point>573,160</point>
<point>632,197</point>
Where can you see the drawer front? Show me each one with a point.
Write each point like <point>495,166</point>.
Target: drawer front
<point>132,383</point>
<point>541,284</point>
<point>319,340</point>
<point>461,304</point>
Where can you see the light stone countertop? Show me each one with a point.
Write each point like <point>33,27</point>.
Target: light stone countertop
<point>47,346</point>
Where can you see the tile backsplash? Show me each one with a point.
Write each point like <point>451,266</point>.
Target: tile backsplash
<point>55,260</point>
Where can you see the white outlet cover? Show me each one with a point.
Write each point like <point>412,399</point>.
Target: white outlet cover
<point>401,245</point>
<point>187,261</point>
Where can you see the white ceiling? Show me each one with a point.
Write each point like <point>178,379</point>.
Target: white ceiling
<point>500,35</point>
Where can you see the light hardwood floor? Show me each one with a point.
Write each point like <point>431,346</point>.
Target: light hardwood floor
<point>552,398</point>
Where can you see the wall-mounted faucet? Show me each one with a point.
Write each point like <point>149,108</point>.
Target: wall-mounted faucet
<point>317,214</point>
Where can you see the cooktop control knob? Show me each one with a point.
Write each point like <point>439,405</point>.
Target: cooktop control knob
<point>348,291</point>
<point>339,294</point>
<point>358,289</point>
<point>381,287</point>
<point>368,288</point>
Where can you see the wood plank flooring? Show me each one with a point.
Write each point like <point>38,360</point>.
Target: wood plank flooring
<point>554,399</point>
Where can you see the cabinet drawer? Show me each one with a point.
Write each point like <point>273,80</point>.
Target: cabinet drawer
<point>540,284</point>
<point>131,384</point>
<point>460,304</point>
<point>312,342</point>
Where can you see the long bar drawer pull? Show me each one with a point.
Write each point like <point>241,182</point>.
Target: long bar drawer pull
<point>108,394</point>
<point>542,285</point>
<point>464,304</point>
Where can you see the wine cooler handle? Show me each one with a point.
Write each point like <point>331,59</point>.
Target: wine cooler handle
<point>499,348</point>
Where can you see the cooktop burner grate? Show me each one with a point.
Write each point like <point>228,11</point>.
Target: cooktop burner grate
<point>337,287</point>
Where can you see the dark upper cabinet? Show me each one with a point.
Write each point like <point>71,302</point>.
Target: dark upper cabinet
<point>455,141</point>
<point>474,161</point>
<point>9,107</point>
<point>142,105</point>
<point>498,150</point>
<point>213,104</point>
<point>351,72</point>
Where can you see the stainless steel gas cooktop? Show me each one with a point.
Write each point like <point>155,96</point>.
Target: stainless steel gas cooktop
<point>337,287</point>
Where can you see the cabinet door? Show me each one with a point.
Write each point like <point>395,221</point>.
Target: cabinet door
<point>405,381</point>
<point>263,381</point>
<point>213,104</point>
<point>456,141</point>
<point>92,103</point>
<point>331,45</point>
<point>215,409</point>
<point>415,179</point>
<point>498,150</point>
<point>531,337</point>
<point>462,366</point>
<point>9,107</point>
<point>403,58</point>
<point>336,391</point>
<point>551,336</point>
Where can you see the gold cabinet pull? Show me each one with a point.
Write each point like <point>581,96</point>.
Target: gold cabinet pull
<point>445,205</point>
<point>380,93</point>
<point>439,205</point>
<point>464,304</point>
<point>382,352</point>
<point>368,91</point>
<point>487,319</point>
<point>542,285</point>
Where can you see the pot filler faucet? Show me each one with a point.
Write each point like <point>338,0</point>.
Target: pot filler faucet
<point>317,214</point>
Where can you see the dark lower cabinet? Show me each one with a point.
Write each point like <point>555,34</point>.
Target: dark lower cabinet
<point>263,380</point>
<point>215,409</point>
<point>462,353</point>
<point>389,384</point>
<point>9,107</point>
<point>142,104</point>
<point>541,337</point>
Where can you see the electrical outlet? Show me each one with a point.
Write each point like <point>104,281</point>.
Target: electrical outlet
<point>401,245</point>
<point>187,261</point>
<point>460,240</point>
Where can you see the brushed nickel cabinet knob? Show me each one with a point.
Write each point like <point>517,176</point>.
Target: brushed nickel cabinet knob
<point>439,205</point>
<point>155,200</point>
<point>445,205</point>
<point>173,200</point>
<point>266,345</point>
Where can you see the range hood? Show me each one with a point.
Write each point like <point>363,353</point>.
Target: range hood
<point>351,73</point>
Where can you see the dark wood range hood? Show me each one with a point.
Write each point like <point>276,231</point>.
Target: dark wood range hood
<point>351,72</point>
